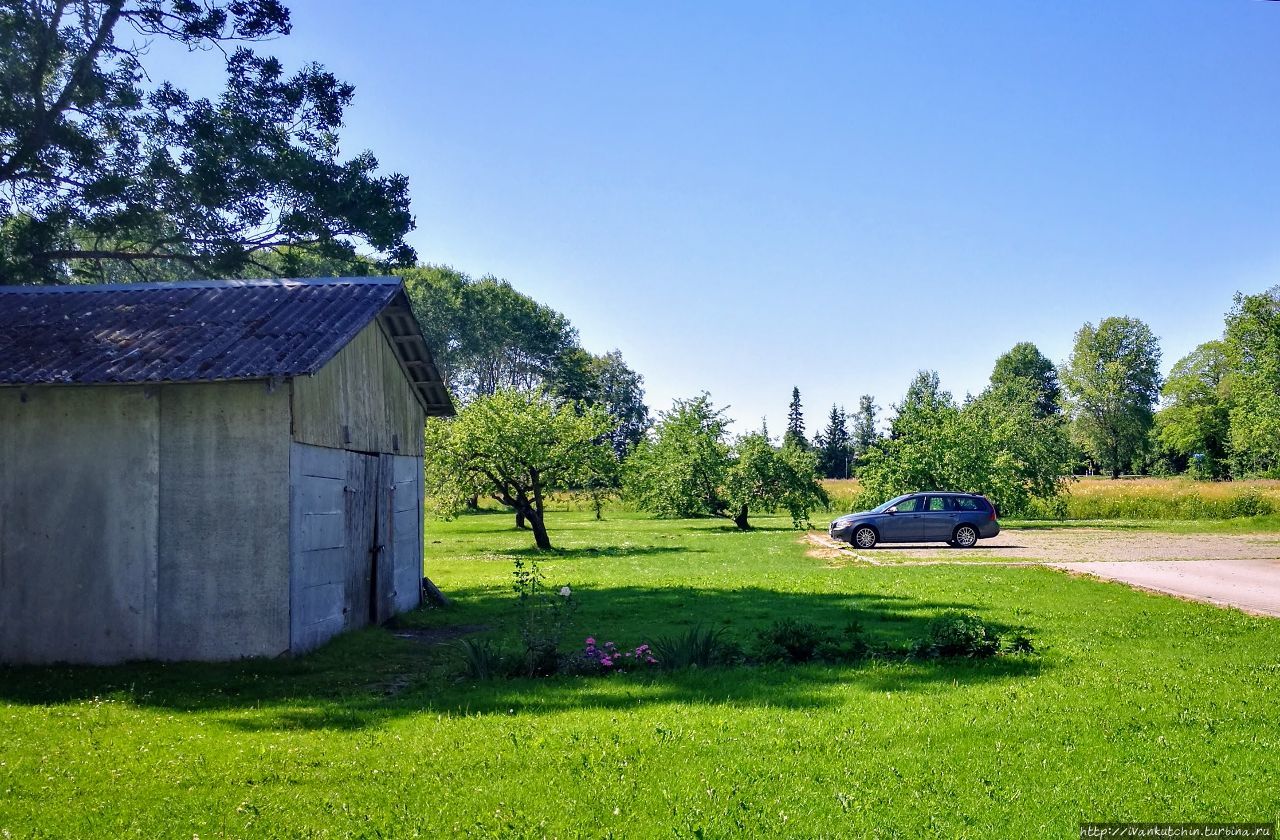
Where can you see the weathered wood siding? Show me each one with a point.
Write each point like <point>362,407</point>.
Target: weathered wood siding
<point>360,401</point>
<point>355,541</point>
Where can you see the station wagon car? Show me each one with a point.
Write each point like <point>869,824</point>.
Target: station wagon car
<point>958,519</point>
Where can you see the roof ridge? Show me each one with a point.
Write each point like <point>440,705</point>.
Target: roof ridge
<point>203,284</point>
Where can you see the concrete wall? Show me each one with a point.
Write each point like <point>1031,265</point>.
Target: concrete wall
<point>79,490</point>
<point>143,523</point>
<point>224,521</point>
<point>359,401</point>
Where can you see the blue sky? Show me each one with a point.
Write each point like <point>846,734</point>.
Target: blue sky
<point>745,197</point>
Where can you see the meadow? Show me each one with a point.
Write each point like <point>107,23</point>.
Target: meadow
<point>1135,707</point>
<point>1133,498</point>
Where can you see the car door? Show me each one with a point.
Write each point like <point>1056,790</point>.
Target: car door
<point>939,518</point>
<point>904,524</point>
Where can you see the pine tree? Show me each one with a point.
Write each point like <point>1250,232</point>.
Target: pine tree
<point>795,422</point>
<point>864,433</point>
<point>833,445</point>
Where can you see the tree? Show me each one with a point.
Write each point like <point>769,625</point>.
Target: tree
<point>865,432</point>
<point>488,336</point>
<point>614,385</point>
<point>679,470</point>
<point>762,477</point>
<point>1113,377</point>
<point>1025,363</point>
<point>833,445</point>
<point>997,444</point>
<point>1195,423</point>
<point>515,446</point>
<point>107,175</point>
<point>795,422</point>
<point>1253,353</point>
<point>688,469</point>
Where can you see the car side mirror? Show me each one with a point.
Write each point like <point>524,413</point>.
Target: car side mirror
<point>891,511</point>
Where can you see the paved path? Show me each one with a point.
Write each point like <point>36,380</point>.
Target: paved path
<point>1251,585</point>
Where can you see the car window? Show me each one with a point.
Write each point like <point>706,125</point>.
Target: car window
<point>908,505</point>
<point>968,503</point>
<point>940,503</point>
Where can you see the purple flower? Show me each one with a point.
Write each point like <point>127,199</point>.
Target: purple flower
<point>591,642</point>
<point>606,662</point>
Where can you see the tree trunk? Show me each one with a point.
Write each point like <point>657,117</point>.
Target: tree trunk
<point>540,537</point>
<point>741,519</point>
<point>520,520</point>
<point>473,503</point>
<point>1115,472</point>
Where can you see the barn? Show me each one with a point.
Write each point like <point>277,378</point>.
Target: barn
<point>208,470</point>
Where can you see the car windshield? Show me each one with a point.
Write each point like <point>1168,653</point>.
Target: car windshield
<point>891,503</point>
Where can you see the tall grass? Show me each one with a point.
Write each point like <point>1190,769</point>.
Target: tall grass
<point>1132,498</point>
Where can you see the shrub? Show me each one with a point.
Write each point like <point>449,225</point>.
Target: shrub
<point>545,614</point>
<point>481,659</point>
<point>959,634</point>
<point>790,640</point>
<point>609,659</point>
<point>695,648</point>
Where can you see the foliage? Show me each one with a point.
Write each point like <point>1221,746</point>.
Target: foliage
<point>795,422</point>
<point>1113,379</point>
<point>1253,351</point>
<point>790,640</point>
<point>1195,423</point>
<point>481,659</point>
<point>697,647</point>
<point>486,335</point>
<point>545,615</point>
<point>997,444</point>
<point>864,431</point>
<point>959,633</point>
<point>760,477</point>
<point>834,446</point>
<point>677,473</point>
<point>515,447</point>
<point>688,469</point>
<point>607,658</point>
<point>109,175</point>
<point>1025,364</point>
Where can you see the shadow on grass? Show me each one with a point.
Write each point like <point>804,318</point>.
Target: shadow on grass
<point>370,677</point>
<point>606,551</point>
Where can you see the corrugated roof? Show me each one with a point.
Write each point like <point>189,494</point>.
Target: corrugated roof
<point>206,331</point>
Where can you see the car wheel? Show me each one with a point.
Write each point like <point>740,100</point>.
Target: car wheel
<point>965,537</point>
<point>864,537</point>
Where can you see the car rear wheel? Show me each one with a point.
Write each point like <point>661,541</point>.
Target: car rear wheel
<point>966,536</point>
<point>864,537</point>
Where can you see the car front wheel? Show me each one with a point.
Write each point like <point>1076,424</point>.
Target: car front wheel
<point>966,536</point>
<point>864,537</point>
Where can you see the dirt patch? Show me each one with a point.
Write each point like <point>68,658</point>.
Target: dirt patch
<point>438,635</point>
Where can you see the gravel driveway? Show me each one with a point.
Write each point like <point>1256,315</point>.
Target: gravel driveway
<point>1239,570</point>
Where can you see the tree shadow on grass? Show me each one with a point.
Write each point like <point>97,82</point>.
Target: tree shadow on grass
<point>370,677</point>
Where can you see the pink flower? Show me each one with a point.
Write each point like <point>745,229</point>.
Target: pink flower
<point>606,662</point>
<point>591,642</point>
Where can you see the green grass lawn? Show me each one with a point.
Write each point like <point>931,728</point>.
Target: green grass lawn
<point>1139,707</point>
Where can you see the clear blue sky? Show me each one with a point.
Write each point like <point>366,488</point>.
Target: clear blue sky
<point>745,197</point>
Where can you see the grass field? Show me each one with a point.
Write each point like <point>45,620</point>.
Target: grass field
<point>1137,707</point>
<point>1136,499</point>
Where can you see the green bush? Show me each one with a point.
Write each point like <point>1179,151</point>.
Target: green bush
<point>959,634</point>
<point>482,659</point>
<point>790,640</point>
<point>695,648</point>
